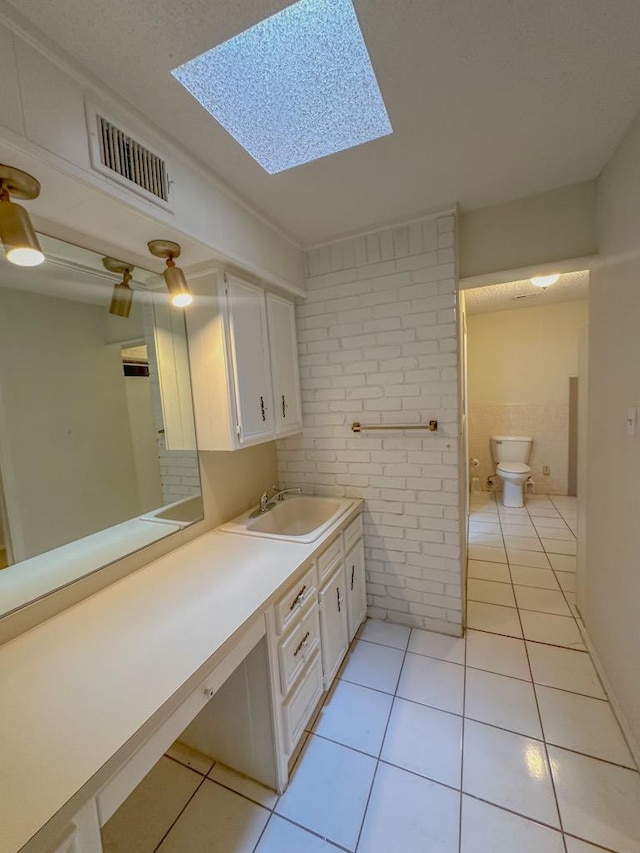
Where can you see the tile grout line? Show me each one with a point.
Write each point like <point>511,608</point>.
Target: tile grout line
<point>462,732</point>
<point>179,815</point>
<point>386,729</point>
<point>544,740</point>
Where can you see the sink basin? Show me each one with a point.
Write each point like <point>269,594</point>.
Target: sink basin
<point>298,518</point>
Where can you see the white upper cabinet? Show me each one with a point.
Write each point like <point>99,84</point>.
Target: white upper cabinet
<point>284,365</point>
<point>244,363</point>
<point>249,344</point>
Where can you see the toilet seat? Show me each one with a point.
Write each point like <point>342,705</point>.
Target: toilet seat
<point>513,468</point>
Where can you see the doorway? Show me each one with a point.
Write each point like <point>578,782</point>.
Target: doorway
<point>521,346</point>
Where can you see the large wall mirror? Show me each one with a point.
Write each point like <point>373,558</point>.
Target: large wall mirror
<point>97,445</point>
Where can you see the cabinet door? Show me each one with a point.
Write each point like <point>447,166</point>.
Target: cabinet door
<point>356,590</point>
<point>284,365</point>
<point>250,360</point>
<point>333,625</point>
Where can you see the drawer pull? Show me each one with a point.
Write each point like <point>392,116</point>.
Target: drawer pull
<point>302,644</point>
<point>264,416</point>
<point>353,571</point>
<point>299,598</point>
<point>338,595</point>
<point>284,408</point>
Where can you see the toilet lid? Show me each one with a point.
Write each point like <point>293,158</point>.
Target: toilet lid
<point>514,468</point>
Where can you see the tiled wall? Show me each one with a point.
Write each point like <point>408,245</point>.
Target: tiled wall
<point>378,344</point>
<point>548,423</point>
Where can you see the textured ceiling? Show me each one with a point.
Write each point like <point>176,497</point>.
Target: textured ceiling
<point>570,287</point>
<point>489,100</point>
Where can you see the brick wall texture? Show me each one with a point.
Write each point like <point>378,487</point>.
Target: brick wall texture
<point>378,344</point>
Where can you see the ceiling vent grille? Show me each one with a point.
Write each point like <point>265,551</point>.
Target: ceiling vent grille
<point>128,158</point>
<point>118,155</point>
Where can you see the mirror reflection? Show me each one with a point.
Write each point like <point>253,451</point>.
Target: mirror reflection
<point>97,444</point>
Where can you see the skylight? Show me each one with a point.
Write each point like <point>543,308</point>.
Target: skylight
<point>295,87</point>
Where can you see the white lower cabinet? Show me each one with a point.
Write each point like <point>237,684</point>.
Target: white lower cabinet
<point>309,629</point>
<point>356,590</point>
<point>333,620</point>
<point>300,705</point>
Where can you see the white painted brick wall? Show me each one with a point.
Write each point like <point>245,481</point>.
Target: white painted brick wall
<point>378,344</point>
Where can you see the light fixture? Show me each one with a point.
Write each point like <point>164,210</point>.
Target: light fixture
<point>173,275</point>
<point>122,293</point>
<point>16,231</point>
<point>544,280</point>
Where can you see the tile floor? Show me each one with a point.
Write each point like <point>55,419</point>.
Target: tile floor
<point>500,742</point>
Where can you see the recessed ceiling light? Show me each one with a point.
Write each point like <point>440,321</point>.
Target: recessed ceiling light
<point>544,280</point>
<point>293,88</point>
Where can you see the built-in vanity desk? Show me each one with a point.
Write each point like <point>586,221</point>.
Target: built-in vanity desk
<point>92,698</point>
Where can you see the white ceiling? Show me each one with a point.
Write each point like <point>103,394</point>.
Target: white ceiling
<point>489,101</point>
<point>511,295</point>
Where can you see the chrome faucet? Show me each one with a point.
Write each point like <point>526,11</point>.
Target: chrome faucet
<point>279,496</point>
<point>267,503</point>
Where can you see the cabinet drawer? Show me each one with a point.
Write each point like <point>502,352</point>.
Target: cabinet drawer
<point>297,711</point>
<point>328,560</point>
<point>289,607</point>
<point>298,648</point>
<point>353,532</point>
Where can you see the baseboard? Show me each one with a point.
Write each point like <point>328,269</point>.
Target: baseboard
<point>632,743</point>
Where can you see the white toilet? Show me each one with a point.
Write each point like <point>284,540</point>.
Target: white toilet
<point>511,455</point>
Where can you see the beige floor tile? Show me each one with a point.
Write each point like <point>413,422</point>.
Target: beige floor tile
<point>147,814</point>
<point>537,559</point>
<point>490,592</point>
<point>216,821</point>
<point>582,724</point>
<point>598,801</point>
<point>542,600</point>
<point>493,618</point>
<point>486,571</point>
<point>531,576</point>
<point>551,629</point>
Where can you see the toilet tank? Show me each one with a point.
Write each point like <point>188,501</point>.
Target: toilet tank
<point>511,448</point>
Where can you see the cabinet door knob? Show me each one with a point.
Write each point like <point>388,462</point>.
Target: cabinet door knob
<point>262,409</point>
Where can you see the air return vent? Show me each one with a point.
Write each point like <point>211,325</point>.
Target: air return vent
<point>118,155</point>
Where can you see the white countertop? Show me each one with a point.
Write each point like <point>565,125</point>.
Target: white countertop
<point>76,688</point>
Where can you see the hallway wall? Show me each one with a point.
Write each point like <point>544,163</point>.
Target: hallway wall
<point>539,229</point>
<point>613,491</point>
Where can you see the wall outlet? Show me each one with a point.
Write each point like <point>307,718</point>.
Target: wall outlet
<point>546,470</point>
